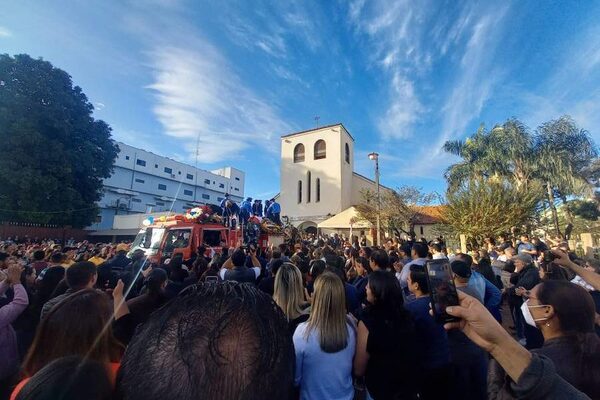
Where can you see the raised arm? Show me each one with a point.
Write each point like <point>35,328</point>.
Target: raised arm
<point>12,310</point>
<point>562,259</point>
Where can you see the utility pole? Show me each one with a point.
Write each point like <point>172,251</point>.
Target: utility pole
<point>375,157</point>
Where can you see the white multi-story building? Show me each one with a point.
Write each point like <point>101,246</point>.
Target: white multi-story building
<point>144,182</point>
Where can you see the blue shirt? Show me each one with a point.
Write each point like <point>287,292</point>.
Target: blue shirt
<point>433,335</point>
<point>246,206</point>
<point>274,208</point>
<point>323,375</point>
<point>525,246</point>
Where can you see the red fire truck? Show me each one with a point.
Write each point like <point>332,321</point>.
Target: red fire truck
<point>167,236</point>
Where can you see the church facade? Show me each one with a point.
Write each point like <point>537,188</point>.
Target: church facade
<point>318,179</point>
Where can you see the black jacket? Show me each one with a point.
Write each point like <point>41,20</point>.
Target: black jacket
<point>528,277</point>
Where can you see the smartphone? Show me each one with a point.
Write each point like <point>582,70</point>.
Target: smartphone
<point>442,289</point>
<point>211,279</point>
<point>548,256</point>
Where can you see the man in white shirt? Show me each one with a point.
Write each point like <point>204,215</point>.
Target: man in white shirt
<point>438,254</point>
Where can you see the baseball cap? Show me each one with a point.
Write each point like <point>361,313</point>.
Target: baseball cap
<point>461,268</point>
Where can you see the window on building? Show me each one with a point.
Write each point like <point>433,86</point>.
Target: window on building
<point>237,179</point>
<point>207,181</point>
<point>155,165</point>
<point>190,177</point>
<point>347,153</point>
<point>138,180</point>
<point>308,185</point>
<point>236,189</point>
<point>127,157</point>
<point>421,229</point>
<point>141,162</point>
<point>222,185</point>
<point>136,200</point>
<point>188,192</point>
<point>320,149</point>
<point>299,153</point>
<point>219,198</point>
<point>299,192</point>
<point>206,196</point>
<point>162,187</point>
<point>178,172</point>
<point>168,170</point>
<point>160,203</point>
<point>318,191</point>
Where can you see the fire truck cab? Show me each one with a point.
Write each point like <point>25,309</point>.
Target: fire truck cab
<point>177,234</point>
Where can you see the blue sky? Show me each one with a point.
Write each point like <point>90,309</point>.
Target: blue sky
<point>403,76</point>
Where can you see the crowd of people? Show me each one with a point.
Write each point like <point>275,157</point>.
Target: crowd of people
<point>324,318</point>
<point>232,212</point>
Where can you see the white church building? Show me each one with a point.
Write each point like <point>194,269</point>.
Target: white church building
<point>318,184</point>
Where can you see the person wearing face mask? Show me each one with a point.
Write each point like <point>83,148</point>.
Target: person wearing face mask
<point>564,313</point>
<point>526,276</point>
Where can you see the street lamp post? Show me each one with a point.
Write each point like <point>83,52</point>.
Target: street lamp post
<point>375,157</point>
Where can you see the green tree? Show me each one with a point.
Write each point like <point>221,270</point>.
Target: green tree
<point>505,152</point>
<point>399,208</point>
<point>489,208</point>
<point>558,155</point>
<point>53,153</point>
<point>565,155</point>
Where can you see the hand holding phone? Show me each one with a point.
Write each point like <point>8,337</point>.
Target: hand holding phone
<point>442,289</point>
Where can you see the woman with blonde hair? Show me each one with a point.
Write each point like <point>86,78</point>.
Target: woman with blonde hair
<point>325,344</point>
<point>289,295</point>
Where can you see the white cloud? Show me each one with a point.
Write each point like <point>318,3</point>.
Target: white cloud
<point>572,87</point>
<point>407,38</point>
<point>201,99</point>
<point>4,32</point>
<point>99,106</point>
<point>268,38</point>
<point>289,75</point>
<point>478,75</point>
<point>403,110</point>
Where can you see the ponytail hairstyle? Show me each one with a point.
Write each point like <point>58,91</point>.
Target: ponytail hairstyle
<point>576,312</point>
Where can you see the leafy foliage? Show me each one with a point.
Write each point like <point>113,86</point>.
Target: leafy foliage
<point>482,209</point>
<point>399,208</point>
<point>53,153</point>
<point>585,209</point>
<point>558,159</point>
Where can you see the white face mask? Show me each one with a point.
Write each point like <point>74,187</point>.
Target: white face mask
<point>527,314</point>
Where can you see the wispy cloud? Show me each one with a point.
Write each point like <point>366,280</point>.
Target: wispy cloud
<point>267,37</point>
<point>201,99</point>
<point>4,32</point>
<point>99,106</point>
<point>571,88</point>
<point>478,74</point>
<point>288,75</point>
<point>403,111</point>
<point>389,32</point>
<point>408,42</point>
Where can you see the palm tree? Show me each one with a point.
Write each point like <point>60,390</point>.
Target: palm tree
<point>565,155</point>
<point>504,152</point>
<point>562,157</point>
